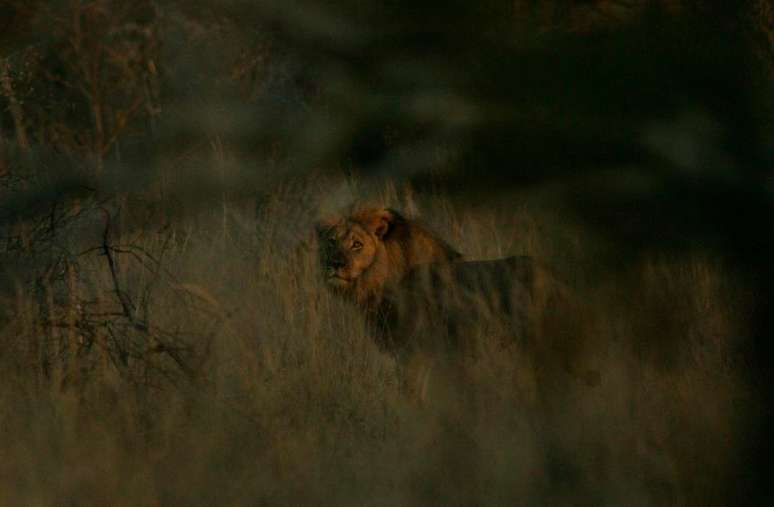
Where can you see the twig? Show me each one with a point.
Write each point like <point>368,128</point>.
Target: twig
<point>14,106</point>
<point>107,252</point>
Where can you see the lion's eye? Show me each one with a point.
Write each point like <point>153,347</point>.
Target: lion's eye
<point>357,245</point>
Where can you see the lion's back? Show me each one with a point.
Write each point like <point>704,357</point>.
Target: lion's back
<point>452,300</point>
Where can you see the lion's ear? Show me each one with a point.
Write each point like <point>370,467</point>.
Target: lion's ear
<point>384,221</point>
<point>378,221</point>
<point>382,229</point>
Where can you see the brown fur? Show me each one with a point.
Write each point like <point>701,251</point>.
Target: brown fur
<point>408,281</point>
<point>420,296</point>
<point>448,308</point>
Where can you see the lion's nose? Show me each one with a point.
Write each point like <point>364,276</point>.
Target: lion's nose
<point>337,263</point>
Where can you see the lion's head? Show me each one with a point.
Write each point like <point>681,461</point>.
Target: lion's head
<point>364,250</point>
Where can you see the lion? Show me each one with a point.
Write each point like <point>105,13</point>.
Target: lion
<point>420,295</point>
<point>409,281</point>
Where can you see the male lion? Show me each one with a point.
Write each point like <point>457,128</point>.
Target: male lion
<point>418,293</point>
<point>408,281</point>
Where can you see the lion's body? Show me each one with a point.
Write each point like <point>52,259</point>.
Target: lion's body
<point>421,298</point>
<point>438,304</point>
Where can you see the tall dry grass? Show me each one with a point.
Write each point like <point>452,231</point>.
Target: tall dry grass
<point>284,398</point>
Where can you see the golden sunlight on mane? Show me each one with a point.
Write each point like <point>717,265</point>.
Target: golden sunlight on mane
<point>398,245</point>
